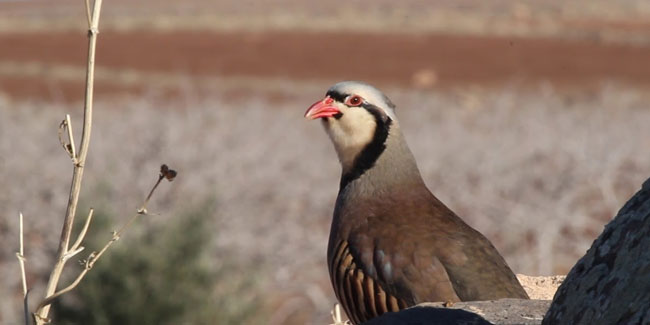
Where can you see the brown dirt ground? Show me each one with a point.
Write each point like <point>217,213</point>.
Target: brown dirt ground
<point>395,59</point>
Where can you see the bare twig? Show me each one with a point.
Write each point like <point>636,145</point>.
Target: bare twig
<point>88,15</point>
<point>26,308</point>
<point>336,316</point>
<point>21,260</point>
<point>73,149</point>
<point>65,251</point>
<point>68,146</point>
<point>21,256</point>
<point>82,234</point>
<point>64,144</point>
<point>42,312</point>
<point>71,253</point>
<point>165,172</point>
<point>47,301</point>
<point>76,249</point>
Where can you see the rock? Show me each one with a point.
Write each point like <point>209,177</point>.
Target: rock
<point>425,314</point>
<point>611,283</point>
<point>505,311</point>
<point>502,312</point>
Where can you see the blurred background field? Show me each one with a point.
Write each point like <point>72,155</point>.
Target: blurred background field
<point>529,119</point>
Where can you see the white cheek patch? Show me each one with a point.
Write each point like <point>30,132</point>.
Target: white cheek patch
<point>351,133</point>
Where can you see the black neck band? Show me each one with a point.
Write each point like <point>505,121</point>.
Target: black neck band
<point>371,152</point>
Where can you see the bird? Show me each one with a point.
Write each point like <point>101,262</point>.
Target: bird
<point>392,243</point>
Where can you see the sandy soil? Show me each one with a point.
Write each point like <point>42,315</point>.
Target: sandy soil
<point>541,287</point>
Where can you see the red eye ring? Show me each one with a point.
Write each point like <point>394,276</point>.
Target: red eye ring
<point>354,100</point>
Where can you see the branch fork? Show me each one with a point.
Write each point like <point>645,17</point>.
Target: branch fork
<point>66,251</point>
<point>78,158</point>
<point>93,257</point>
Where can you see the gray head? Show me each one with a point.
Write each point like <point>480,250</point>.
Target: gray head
<point>358,119</point>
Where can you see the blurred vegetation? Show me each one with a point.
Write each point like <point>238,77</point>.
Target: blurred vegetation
<point>160,273</point>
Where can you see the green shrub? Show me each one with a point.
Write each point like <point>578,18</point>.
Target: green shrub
<point>165,274</point>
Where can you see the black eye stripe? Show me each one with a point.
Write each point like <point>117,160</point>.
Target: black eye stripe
<point>341,97</point>
<point>337,96</point>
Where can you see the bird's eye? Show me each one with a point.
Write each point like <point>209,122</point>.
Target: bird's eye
<point>354,100</point>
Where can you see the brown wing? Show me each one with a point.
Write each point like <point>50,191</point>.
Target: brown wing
<point>362,296</point>
<point>438,237</point>
<point>485,275</point>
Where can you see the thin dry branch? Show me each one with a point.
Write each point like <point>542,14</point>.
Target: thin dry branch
<point>73,149</point>
<point>41,315</point>
<point>65,251</point>
<point>336,316</point>
<point>21,260</point>
<point>50,299</point>
<point>68,146</point>
<point>82,234</point>
<point>76,247</point>
<point>165,172</point>
<point>88,15</point>
<point>21,256</point>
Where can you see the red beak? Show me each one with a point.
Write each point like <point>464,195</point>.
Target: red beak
<point>323,108</point>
